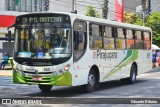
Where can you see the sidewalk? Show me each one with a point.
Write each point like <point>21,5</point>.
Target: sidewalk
<point>6,72</point>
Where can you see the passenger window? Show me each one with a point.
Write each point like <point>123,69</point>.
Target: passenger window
<point>108,39</point>
<point>120,40</point>
<point>147,40</point>
<point>96,36</point>
<point>130,39</point>
<point>138,40</point>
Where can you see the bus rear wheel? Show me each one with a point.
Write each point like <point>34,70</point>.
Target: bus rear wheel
<point>132,78</point>
<point>133,74</point>
<point>92,82</point>
<point>45,88</point>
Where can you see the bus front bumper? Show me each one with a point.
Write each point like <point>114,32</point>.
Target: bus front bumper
<point>60,80</point>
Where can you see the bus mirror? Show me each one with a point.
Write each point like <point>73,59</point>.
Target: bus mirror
<point>9,35</point>
<point>10,26</point>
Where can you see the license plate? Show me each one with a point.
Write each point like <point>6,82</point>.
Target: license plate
<point>36,78</point>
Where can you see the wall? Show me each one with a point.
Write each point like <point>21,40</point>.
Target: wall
<point>2,5</point>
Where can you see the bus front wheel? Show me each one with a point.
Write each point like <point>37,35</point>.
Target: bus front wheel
<point>92,82</point>
<point>45,88</point>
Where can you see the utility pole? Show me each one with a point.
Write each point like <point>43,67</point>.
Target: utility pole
<point>144,5</point>
<point>105,9</point>
<point>149,6</point>
<point>74,7</point>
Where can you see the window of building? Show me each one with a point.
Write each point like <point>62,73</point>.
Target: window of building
<point>26,5</point>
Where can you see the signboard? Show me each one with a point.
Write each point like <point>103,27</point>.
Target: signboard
<point>42,18</point>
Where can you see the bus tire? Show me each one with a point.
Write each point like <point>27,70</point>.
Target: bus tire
<point>133,74</point>
<point>91,83</point>
<point>45,88</point>
<point>132,78</point>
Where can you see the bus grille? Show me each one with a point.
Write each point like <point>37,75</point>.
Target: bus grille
<point>27,73</point>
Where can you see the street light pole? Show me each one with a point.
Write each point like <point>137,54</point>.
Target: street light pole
<point>73,5</point>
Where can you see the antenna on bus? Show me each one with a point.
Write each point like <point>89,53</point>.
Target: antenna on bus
<point>75,11</point>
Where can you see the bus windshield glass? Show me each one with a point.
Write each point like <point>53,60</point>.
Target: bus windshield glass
<point>42,36</point>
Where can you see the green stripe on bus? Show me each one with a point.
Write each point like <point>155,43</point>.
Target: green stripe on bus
<point>131,56</point>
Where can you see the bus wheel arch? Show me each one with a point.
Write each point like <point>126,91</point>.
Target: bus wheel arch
<point>93,79</point>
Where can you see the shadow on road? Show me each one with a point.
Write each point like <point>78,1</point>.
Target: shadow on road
<point>77,90</point>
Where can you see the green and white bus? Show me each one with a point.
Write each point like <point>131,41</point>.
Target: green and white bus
<point>67,49</point>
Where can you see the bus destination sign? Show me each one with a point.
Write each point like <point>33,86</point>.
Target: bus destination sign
<point>41,19</point>
<point>44,18</point>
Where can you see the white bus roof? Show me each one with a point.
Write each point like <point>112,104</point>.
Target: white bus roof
<point>99,20</point>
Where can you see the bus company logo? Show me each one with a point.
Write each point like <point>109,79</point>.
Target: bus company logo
<point>106,55</point>
<point>94,54</point>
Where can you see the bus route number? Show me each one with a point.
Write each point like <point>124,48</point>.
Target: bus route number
<point>46,69</point>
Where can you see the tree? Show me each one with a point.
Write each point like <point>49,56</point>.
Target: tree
<point>91,11</point>
<point>132,18</point>
<point>153,21</point>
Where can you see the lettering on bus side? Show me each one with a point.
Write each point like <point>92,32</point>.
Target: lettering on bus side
<point>106,55</point>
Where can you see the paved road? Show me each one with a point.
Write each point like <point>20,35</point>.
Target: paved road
<point>147,86</point>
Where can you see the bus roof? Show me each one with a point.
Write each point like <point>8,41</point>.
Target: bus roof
<point>96,20</point>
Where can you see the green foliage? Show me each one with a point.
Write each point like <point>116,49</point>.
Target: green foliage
<point>153,21</point>
<point>132,18</point>
<point>91,11</point>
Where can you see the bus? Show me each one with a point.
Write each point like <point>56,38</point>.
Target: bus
<point>67,49</point>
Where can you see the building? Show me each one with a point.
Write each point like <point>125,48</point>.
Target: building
<point>9,9</point>
<point>131,8</point>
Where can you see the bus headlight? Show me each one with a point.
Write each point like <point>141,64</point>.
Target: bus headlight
<point>66,68</point>
<point>61,71</point>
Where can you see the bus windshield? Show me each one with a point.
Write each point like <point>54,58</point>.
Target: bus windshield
<point>42,37</point>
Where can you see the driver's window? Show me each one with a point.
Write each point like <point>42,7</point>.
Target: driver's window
<point>79,39</point>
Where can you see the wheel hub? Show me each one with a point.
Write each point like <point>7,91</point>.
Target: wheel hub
<point>91,81</point>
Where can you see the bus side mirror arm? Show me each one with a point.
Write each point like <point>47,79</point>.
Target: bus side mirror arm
<point>10,33</point>
<point>10,26</point>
